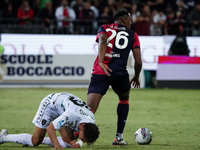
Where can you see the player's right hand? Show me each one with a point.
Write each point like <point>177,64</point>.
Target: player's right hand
<point>76,145</point>
<point>57,147</point>
<point>105,68</point>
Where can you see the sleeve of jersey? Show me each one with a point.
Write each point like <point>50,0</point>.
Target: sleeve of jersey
<point>136,43</point>
<point>66,118</point>
<point>100,31</point>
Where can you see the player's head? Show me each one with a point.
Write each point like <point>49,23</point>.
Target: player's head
<point>91,133</point>
<point>122,16</point>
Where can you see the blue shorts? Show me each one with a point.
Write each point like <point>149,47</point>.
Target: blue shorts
<point>100,84</point>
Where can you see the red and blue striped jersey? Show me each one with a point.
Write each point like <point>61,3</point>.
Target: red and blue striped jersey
<point>119,43</point>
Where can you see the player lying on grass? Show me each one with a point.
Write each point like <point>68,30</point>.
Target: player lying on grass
<point>68,114</point>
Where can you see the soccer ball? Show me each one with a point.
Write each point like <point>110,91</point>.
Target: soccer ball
<point>143,136</point>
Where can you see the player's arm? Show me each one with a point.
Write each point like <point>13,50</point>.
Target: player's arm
<point>52,135</point>
<point>138,62</point>
<point>102,48</point>
<point>57,124</point>
<point>138,66</point>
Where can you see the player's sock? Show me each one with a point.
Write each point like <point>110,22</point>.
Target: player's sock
<point>119,136</point>
<point>23,138</point>
<point>62,143</point>
<point>122,112</point>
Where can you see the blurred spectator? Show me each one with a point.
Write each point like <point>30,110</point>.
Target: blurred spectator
<point>87,13</point>
<point>77,6</point>
<point>157,28</point>
<point>171,4</point>
<point>127,4</point>
<point>142,25</point>
<point>134,15</point>
<point>105,17</point>
<point>179,22</point>
<point>100,5</point>
<point>179,46</point>
<point>25,13</point>
<point>8,13</point>
<point>145,14</point>
<point>156,4</point>
<point>94,7</point>
<point>119,4</point>
<point>4,4</point>
<point>64,15</point>
<point>8,17</point>
<point>47,14</point>
<point>87,17</point>
<point>112,6</point>
<point>169,28</point>
<point>17,4</point>
<point>168,9</point>
<point>152,4</point>
<point>182,8</point>
<point>190,4</point>
<point>195,20</point>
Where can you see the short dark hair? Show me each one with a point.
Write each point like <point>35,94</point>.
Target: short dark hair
<point>91,133</point>
<point>119,13</point>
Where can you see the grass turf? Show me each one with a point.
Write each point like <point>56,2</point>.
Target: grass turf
<point>172,115</point>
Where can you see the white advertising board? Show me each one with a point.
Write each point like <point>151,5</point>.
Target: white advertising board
<point>46,69</point>
<point>26,44</point>
<point>51,70</point>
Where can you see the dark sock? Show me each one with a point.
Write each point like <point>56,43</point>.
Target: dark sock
<point>122,112</point>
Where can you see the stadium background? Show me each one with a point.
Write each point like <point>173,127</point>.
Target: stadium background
<point>156,22</point>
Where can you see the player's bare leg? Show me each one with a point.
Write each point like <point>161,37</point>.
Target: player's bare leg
<point>122,112</point>
<point>93,101</point>
<point>38,136</point>
<point>124,96</point>
<point>25,138</point>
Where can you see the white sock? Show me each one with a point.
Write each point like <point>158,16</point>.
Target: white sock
<point>119,136</point>
<point>62,143</point>
<point>23,138</point>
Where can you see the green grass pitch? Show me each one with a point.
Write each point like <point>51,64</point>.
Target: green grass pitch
<point>172,115</point>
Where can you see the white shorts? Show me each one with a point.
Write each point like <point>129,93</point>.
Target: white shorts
<point>45,114</point>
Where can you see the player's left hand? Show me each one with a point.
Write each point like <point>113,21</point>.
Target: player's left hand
<point>76,145</point>
<point>135,82</point>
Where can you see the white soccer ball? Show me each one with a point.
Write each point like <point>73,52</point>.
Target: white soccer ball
<point>143,136</point>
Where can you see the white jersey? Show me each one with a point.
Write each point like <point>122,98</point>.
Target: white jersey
<point>64,109</point>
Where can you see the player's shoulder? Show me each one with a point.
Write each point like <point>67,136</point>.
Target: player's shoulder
<point>132,32</point>
<point>106,26</point>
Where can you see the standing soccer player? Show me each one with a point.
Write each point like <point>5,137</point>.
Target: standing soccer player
<point>114,44</point>
<point>68,114</point>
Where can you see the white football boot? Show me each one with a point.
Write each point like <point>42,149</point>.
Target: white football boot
<point>119,142</point>
<point>3,132</point>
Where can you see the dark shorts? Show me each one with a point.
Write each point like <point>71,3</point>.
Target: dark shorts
<point>100,84</point>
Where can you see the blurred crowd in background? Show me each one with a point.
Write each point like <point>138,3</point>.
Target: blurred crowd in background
<point>149,17</point>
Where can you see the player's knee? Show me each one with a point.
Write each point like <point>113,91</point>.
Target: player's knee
<point>124,96</point>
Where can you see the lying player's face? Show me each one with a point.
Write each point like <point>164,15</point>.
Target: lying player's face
<point>81,136</point>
